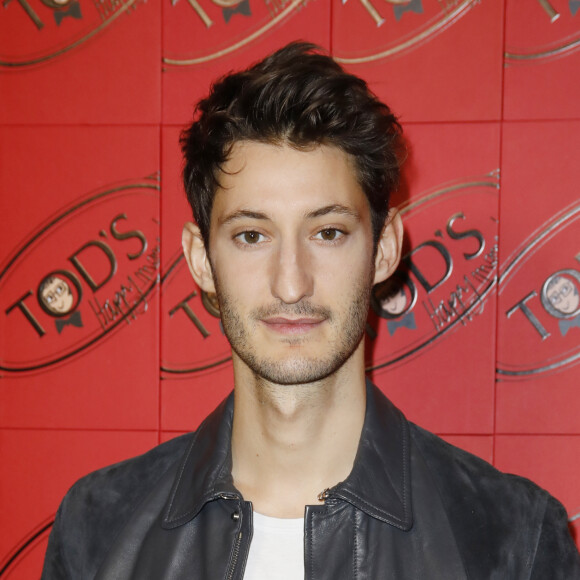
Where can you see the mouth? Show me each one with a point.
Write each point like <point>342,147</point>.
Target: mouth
<point>285,325</point>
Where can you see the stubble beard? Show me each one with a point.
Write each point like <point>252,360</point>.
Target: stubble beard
<point>298,367</point>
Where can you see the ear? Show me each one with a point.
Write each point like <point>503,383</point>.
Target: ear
<point>389,247</point>
<point>197,257</point>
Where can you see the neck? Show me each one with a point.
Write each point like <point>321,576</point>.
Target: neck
<point>290,442</point>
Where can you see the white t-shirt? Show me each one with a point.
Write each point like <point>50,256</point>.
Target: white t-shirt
<point>277,549</point>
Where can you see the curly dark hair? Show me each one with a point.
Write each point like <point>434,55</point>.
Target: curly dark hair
<point>301,97</point>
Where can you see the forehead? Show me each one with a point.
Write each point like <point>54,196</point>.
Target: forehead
<point>279,179</point>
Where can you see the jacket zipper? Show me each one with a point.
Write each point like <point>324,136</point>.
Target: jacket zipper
<point>238,541</point>
<point>235,555</point>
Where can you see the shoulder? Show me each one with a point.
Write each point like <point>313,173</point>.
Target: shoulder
<point>460,470</point>
<point>500,520</point>
<point>128,480</point>
<point>97,507</point>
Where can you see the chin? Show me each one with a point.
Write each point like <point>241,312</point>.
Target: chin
<point>294,371</point>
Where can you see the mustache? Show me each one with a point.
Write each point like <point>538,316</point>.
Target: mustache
<point>300,309</point>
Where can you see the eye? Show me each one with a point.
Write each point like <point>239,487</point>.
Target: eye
<point>250,237</point>
<point>329,234</point>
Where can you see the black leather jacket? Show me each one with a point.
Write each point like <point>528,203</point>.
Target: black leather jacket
<point>413,507</point>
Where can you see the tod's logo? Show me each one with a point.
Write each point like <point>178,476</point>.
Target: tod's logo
<point>447,275</point>
<point>77,278</point>
<point>539,289</point>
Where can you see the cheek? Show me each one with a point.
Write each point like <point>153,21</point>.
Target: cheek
<point>340,288</point>
<point>241,282</point>
<point>350,270</point>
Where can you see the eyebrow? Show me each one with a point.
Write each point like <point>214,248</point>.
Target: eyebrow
<point>243,213</point>
<point>335,208</point>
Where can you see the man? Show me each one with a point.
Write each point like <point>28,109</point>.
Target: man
<point>307,471</point>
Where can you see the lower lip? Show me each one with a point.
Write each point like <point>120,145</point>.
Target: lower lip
<point>299,327</point>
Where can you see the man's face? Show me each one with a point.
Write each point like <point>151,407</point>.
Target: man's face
<point>57,296</point>
<point>291,251</point>
<point>563,296</point>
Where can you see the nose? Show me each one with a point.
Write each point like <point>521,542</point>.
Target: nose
<point>292,278</point>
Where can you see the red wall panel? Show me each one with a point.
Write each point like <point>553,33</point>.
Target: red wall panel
<point>542,60</point>
<point>539,343</point>
<point>205,42</point>
<point>450,211</point>
<point>196,371</point>
<point>81,62</point>
<point>430,60</point>
<point>487,93</point>
<point>92,229</point>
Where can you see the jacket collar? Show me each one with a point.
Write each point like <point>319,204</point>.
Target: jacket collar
<point>379,483</point>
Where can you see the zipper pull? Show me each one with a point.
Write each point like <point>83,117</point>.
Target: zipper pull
<point>324,495</point>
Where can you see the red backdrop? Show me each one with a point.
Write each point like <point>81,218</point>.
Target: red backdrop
<point>106,345</point>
